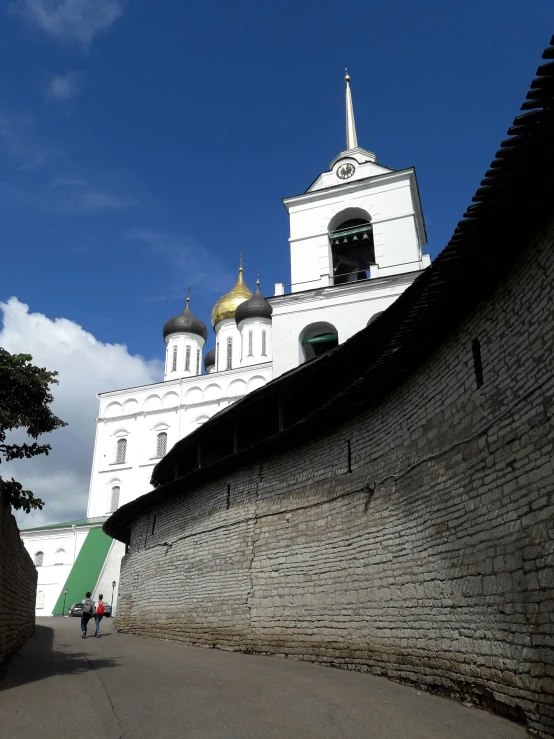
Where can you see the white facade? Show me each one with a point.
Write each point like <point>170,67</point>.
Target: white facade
<point>256,340</point>
<point>183,355</point>
<point>139,415</point>
<point>59,549</point>
<point>358,213</point>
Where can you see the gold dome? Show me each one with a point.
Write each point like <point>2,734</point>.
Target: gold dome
<point>227,304</point>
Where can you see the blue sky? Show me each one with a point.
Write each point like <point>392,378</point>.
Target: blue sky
<point>144,144</point>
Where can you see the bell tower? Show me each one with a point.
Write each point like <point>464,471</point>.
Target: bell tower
<point>358,220</point>
<point>356,242</point>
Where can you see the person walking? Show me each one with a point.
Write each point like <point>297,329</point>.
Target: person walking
<point>99,613</point>
<point>86,615</point>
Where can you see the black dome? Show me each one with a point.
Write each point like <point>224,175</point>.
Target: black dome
<point>256,307</point>
<point>185,322</point>
<point>209,359</point>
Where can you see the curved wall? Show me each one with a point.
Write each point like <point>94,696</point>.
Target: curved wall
<point>414,542</point>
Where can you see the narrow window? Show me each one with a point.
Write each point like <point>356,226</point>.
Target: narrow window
<point>161,444</point>
<point>174,364</point>
<point>187,359</point>
<point>121,451</point>
<point>250,343</point>
<point>264,347</point>
<point>153,523</point>
<point>477,363</point>
<point>229,353</point>
<point>60,556</point>
<point>39,559</point>
<point>217,356</point>
<point>349,456</point>
<point>228,501</point>
<point>40,599</point>
<point>114,503</point>
<point>198,361</point>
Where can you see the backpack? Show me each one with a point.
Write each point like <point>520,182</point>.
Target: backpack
<point>88,606</point>
<point>100,608</point>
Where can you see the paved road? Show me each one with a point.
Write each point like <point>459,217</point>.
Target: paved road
<point>59,686</point>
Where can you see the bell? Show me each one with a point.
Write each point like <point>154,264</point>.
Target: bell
<point>365,237</point>
<point>355,238</point>
<point>345,240</point>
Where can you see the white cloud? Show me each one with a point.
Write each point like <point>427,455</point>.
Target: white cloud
<point>86,366</point>
<point>63,86</point>
<point>71,20</point>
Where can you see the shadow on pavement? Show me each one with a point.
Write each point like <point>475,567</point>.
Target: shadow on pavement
<point>37,659</point>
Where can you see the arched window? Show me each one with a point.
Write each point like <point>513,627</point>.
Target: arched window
<point>187,359</point>
<point>250,343</point>
<point>374,317</point>
<point>114,502</point>
<point>174,362</point>
<point>39,559</point>
<point>161,444</point>
<point>316,339</point>
<point>351,237</point>
<point>264,343</point>
<point>40,599</point>
<point>60,557</point>
<point>198,361</point>
<point>121,451</point>
<point>229,353</point>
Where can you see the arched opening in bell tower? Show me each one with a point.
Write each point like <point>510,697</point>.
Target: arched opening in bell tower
<point>352,247</point>
<point>316,339</point>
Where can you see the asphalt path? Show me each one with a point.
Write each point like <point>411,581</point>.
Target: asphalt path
<point>59,686</point>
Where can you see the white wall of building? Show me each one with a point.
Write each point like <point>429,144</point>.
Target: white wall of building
<point>389,200</point>
<point>109,575</point>
<point>175,407</point>
<point>60,548</point>
<point>227,331</point>
<point>347,307</point>
<point>183,355</point>
<point>256,341</point>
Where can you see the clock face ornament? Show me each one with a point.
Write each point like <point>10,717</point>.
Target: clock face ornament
<point>345,171</point>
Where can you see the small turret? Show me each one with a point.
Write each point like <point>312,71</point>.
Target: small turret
<point>184,335</point>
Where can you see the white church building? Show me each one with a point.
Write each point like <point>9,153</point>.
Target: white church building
<point>356,240</point>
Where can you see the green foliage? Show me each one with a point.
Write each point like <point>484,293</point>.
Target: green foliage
<point>24,404</point>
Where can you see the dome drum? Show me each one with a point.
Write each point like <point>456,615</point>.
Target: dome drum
<point>209,360</point>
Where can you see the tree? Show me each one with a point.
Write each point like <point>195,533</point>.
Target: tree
<point>24,400</point>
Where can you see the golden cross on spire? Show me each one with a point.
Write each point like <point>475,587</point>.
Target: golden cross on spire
<point>240,261</point>
<point>188,294</point>
<point>258,277</point>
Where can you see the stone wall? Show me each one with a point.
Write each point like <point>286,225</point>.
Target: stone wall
<point>426,558</point>
<point>18,585</point>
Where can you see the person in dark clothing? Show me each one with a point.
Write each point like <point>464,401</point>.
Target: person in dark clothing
<point>88,612</point>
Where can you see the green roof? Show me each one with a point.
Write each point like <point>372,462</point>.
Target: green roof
<point>86,569</point>
<point>98,520</point>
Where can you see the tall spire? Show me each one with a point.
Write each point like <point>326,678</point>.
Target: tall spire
<point>351,138</point>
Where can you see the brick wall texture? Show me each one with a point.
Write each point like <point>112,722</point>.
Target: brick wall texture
<point>18,585</point>
<point>430,562</point>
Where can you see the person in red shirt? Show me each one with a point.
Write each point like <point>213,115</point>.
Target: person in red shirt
<point>98,613</point>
